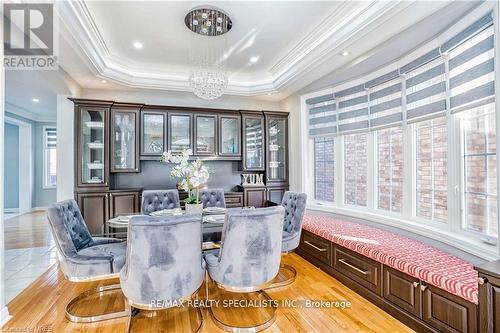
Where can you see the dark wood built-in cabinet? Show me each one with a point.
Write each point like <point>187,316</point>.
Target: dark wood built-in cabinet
<point>423,307</point>
<point>113,138</point>
<point>489,297</point>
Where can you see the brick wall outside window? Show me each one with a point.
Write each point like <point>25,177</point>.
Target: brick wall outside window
<point>324,169</point>
<point>390,169</point>
<point>355,168</point>
<point>480,169</point>
<point>431,169</point>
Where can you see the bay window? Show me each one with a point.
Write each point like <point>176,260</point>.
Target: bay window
<point>419,140</point>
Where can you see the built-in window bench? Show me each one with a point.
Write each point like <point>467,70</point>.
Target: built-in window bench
<point>427,288</point>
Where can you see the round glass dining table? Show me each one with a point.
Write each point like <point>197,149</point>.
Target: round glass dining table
<point>212,224</point>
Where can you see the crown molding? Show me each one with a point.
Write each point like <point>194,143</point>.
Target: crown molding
<point>27,114</point>
<point>344,24</point>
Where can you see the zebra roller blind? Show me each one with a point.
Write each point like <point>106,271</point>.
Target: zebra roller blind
<point>472,76</point>
<point>322,116</point>
<point>458,75</point>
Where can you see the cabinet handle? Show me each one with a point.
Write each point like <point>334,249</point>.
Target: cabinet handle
<point>482,280</point>
<point>353,267</point>
<point>315,247</point>
<point>415,284</point>
<point>422,287</point>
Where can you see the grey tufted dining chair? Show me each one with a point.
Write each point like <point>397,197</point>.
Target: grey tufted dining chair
<point>164,261</point>
<point>213,198</point>
<point>84,258</point>
<point>154,200</point>
<point>249,256</point>
<point>295,207</point>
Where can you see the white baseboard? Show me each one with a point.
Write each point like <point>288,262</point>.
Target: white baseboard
<point>4,316</point>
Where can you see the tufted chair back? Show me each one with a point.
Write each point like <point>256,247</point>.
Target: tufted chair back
<point>154,200</point>
<point>68,227</point>
<point>213,198</point>
<point>164,259</point>
<point>295,206</point>
<point>251,248</point>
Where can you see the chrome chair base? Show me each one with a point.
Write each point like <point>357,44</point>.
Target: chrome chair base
<point>92,319</point>
<point>227,326</point>
<point>279,281</point>
<point>134,311</point>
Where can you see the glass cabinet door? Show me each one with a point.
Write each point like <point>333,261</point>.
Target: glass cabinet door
<point>205,135</point>
<point>276,146</point>
<point>229,142</point>
<point>180,132</point>
<point>92,146</point>
<point>124,126</point>
<point>254,143</point>
<point>153,134</point>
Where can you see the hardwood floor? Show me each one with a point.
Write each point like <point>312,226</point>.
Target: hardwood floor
<point>43,302</point>
<point>27,231</point>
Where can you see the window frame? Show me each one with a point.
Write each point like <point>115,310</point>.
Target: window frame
<point>46,160</point>
<point>451,232</point>
<point>463,180</point>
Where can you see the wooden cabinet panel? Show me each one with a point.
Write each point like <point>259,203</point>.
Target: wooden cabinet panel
<point>448,313</point>
<point>316,246</point>
<point>94,209</point>
<point>255,196</point>
<point>233,199</point>
<point>489,304</point>
<point>275,194</point>
<point>123,203</point>
<point>403,291</point>
<point>361,269</point>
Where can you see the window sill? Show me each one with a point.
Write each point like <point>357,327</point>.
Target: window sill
<point>463,242</point>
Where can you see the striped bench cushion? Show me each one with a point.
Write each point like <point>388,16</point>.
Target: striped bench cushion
<point>409,256</point>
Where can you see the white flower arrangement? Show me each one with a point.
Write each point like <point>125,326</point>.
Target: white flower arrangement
<point>194,175</point>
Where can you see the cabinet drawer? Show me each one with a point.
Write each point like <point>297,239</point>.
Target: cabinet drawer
<point>316,246</point>
<point>403,291</point>
<point>233,200</point>
<point>359,268</point>
<point>448,313</point>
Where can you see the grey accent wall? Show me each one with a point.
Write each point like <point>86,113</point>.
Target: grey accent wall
<point>11,167</point>
<point>43,197</point>
<point>156,175</point>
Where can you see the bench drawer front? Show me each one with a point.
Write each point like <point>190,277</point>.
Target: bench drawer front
<point>318,247</point>
<point>403,290</point>
<point>361,269</point>
<point>448,313</point>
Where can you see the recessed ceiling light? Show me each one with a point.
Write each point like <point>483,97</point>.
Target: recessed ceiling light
<point>253,60</point>
<point>35,100</point>
<point>345,53</point>
<point>104,81</point>
<point>269,94</point>
<point>137,45</point>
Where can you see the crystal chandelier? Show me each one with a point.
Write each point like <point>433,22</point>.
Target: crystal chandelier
<point>207,77</point>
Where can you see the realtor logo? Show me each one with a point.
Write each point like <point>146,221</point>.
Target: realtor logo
<point>29,33</point>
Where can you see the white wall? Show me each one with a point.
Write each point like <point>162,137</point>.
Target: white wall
<point>65,148</point>
<point>292,105</point>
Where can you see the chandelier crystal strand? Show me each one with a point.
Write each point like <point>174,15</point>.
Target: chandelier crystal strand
<point>208,78</point>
